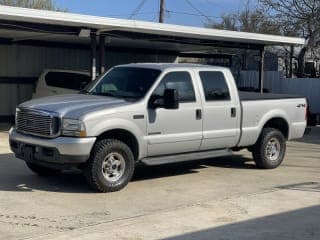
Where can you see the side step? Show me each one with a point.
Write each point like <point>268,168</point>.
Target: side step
<point>183,157</point>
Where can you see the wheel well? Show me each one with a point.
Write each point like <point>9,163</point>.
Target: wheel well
<point>280,124</point>
<point>124,136</point>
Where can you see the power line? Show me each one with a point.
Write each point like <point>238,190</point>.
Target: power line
<point>191,14</point>
<point>137,10</point>
<point>207,16</point>
<point>126,14</point>
<point>197,10</point>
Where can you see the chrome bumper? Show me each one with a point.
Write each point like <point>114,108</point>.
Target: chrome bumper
<point>61,149</point>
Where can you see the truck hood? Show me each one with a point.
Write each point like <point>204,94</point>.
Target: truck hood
<point>74,105</point>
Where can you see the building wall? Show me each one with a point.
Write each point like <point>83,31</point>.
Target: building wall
<point>19,62</point>
<point>29,61</point>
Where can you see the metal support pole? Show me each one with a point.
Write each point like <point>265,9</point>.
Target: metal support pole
<point>161,11</point>
<point>290,61</point>
<point>102,56</point>
<point>261,70</point>
<point>93,56</point>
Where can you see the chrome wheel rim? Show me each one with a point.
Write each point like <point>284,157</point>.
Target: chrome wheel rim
<point>273,149</point>
<point>113,167</point>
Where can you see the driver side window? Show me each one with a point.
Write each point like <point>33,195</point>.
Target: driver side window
<point>182,82</point>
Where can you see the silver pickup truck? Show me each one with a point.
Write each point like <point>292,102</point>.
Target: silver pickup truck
<point>153,114</point>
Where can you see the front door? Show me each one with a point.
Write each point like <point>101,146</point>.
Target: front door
<point>177,130</point>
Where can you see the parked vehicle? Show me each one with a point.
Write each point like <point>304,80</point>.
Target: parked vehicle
<point>58,81</point>
<point>153,114</point>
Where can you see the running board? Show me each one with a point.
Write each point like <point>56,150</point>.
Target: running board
<point>183,157</point>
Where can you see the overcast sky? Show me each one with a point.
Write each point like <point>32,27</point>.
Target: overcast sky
<point>180,10</point>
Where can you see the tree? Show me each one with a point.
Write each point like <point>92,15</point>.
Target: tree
<point>249,19</point>
<point>299,18</point>
<point>228,22</point>
<point>37,4</point>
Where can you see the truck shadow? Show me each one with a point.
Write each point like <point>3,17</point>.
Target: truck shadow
<point>15,176</point>
<point>167,170</point>
<point>313,137</point>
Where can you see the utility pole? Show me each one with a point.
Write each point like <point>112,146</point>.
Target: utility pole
<point>161,12</point>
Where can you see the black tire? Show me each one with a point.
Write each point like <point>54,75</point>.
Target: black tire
<point>41,170</point>
<point>94,170</point>
<point>259,150</point>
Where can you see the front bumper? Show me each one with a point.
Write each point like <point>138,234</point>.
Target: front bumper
<point>61,150</point>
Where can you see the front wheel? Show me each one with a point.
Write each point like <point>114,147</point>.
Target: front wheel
<point>110,167</point>
<point>270,149</point>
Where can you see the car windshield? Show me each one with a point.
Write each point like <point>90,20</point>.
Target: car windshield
<point>124,82</point>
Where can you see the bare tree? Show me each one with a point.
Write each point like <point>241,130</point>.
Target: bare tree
<point>228,22</point>
<point>37,4</point>
<point>249,19</point>
<point>299,18</point>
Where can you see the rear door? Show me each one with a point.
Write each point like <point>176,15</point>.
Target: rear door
<point>176,130</point>
<point>221,111</point>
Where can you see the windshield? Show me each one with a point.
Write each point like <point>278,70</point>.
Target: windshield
<point>124,82</point>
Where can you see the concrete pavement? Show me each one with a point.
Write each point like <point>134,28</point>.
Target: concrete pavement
<point>224,198</point>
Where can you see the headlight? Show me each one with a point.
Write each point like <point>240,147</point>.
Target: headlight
<point>73,127</point>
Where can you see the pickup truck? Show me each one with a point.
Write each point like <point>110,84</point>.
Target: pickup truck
<point>153,114</point>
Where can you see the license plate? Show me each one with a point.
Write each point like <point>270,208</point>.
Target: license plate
<point>27,152</point>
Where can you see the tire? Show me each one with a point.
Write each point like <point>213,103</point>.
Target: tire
<point>110,167</point>
<point>270,149</point>
<point>42,171</point>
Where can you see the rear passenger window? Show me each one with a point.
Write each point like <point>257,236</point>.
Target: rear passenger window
<point>214,86</point>
<point>67,80</point>
<point>182,82</point>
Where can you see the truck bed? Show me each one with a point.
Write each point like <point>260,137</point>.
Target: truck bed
<point>258,108</point>
<point>254,96</point>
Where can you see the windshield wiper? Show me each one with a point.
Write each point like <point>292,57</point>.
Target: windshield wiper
<point>84,91</point>
<point>109,94</point>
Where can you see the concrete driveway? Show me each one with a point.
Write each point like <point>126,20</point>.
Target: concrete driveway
<point>224,198</point>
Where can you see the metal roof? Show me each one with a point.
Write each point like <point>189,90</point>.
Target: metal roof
<point>141,28</point>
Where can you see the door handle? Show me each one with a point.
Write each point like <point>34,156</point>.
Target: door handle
<point>233,112</point>
<point>198,114</point>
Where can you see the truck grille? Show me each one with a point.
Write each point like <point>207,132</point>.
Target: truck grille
<point>37,123</point>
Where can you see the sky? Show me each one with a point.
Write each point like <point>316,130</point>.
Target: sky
<point>180,12</point>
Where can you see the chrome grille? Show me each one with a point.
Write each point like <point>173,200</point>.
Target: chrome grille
<point>37,123</point>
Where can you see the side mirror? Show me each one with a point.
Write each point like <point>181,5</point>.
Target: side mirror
<point>171,99</point>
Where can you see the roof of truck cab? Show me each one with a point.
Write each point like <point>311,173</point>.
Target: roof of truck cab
<point>164,66</point>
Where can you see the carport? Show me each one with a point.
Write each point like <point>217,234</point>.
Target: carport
<point>97,37</point>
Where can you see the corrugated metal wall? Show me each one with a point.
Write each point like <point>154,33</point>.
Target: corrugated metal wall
<point>273,79</point>
<point>277,83</point>
<point>30,61</point>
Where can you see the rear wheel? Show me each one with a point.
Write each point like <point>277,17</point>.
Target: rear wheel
<point>269,151</point>
<point>41,170</point>
<point>110,167</point>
